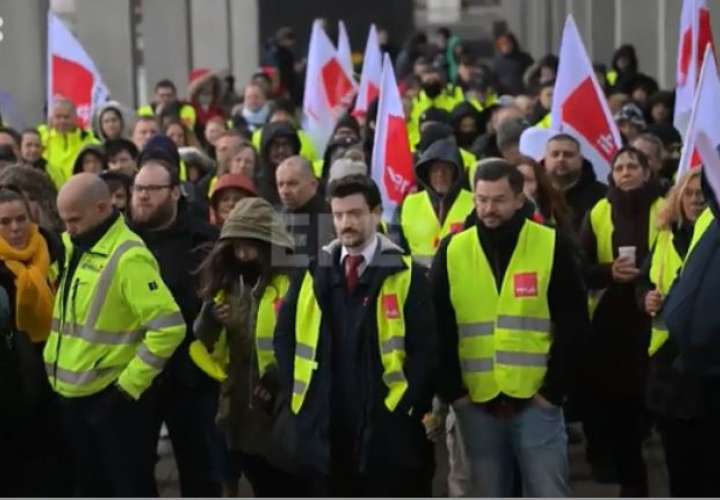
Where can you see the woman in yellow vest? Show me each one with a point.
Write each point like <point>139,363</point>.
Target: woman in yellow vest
<point>243,288</point>
<point>674,397</point>
<point>616,237</point>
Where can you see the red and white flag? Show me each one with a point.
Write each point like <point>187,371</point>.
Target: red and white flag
<point>392,162</point>
<point>328,90</point>
<point>579,106</point>
<point>703,135</point>
<point>344,52</point>
<point>371,73</point>
<point>695,34</point>
<point>72,75</point>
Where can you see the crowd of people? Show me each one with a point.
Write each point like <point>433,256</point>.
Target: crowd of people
<point>198,266</point>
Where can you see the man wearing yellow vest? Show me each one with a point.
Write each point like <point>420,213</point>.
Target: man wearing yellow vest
<point>425,217</point>
<point>356,351</point>
<point>62,141</point>
<point>511,312</point>
<point>115,326</point>
<point>166,96</point>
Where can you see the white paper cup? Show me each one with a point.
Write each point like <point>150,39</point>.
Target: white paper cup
<point>628,253</point>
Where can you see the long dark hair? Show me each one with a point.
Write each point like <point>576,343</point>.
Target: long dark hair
<point>550,202</point>
<point>220,269</point>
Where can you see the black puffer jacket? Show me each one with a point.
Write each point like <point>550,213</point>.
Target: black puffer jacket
<point>584,195</point>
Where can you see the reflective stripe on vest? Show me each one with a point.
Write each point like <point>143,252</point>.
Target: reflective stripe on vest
<point>664,267</point>
<point>602,226</point>
<point>88,332</point>
<point>421,227</point>
<point>505,337</point>
<point>390,317</point>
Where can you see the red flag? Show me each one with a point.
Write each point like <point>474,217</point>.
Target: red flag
<point>579,106</point>
<point>392,163</point>
<point>72,75</point>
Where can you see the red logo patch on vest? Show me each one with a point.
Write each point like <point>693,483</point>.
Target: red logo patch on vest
<point>526,285</point>
<point>456,227</point>
<point>390,306</point>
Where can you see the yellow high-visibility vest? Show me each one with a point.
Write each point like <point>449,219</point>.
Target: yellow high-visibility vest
<point>119,322</point>
<point>61,150</point>
<point>421,226</point>
<point>215,363</point>
<point>664,267</point>
<point>701,225</point>
<point>187,114</point>
<point>505,337</point>
<point>390,319</point>
<point>602,226</point>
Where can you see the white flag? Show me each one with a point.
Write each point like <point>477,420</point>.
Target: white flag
<point>392,162</point>
<point>703,136</point>
<point>71,73</point>
<point>371,73</point>
<point>328,91</point>
<point>344,52</point>
<point>695,34</point>
<point>579,106</point>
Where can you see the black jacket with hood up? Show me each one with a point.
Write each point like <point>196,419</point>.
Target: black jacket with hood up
<point>265,177</point>
<point>444,150</point>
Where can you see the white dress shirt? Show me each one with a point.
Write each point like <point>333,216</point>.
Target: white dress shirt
<point>368,252</point>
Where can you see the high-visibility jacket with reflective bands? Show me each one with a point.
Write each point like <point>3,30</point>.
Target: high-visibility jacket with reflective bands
<point>187,114</point>
<point>215,363</point>
<point>421,226</point>
<point>391,336</point>
<point>664,267</point>
<point>115,321</point>
<point>61,150</point>
<point>602,226</point>
<point>503,338</point>
<point>307,150</point>
<point>701,225</point>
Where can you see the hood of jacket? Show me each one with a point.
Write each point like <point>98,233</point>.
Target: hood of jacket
<point>125,115</point>
<point>444,150</point>
<point>254,218</point>
<point>272,131</point>
<point>95,149</point>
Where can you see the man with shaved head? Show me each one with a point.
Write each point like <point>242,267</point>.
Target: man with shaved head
<point>63,140</point>
<point>307,212</point>
<point>115,325</point>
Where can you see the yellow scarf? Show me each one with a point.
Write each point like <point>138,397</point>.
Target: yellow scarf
<point>33,295</point>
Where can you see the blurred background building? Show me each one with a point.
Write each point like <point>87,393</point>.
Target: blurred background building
<point>138,42</point>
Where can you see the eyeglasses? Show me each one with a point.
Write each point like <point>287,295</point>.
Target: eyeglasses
<point>150,188</point>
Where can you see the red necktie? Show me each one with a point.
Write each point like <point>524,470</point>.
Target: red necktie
<point>352,263</point>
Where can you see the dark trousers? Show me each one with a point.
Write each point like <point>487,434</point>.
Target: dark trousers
<point>618,428</point>
<point>267,480</point>
<point>691,451</point>
<point>107,436</point>
<point>189,414</point>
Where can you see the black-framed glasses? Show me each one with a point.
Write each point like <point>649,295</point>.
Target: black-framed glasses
<point>150,188</point>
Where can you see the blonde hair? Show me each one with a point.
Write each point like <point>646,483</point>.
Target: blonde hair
<point>672,212</point>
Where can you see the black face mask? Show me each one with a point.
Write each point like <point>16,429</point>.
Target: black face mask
<point>465,139</point>
<point>432,89</point>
